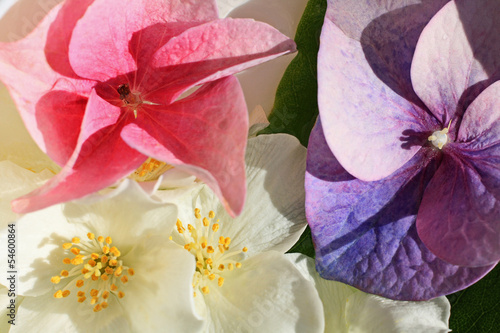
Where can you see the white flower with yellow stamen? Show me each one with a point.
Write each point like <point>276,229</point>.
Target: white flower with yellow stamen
<point>242,280</point>
<point>104,267</point>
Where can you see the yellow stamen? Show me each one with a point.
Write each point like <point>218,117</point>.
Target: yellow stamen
<point>121,294</point>
<point>90,236</point>
<point>75,240</point>
<point>131,272</point>
<point>205,290</point>
<point>211,214</point>
<point>55,279</point>
<point>66,246</point>
<point>100,239</point>
<point>67,261</point>
<point>220,281</point>
<point>80,294</point>
<point>64,273</point>
<point>109,240</point>
<point>58,294</point>
<point>65,293</point>
<point>79,283</point>
<point>124,279</point>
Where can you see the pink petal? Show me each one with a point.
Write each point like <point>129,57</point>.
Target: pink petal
<point>59,116</point>
<point>459,48</point>
<point>100,159</point>
<point>99,47</point>
<point>29,77</point>
<point>59,35</point>
<point>372,122</point>
<point>211,51</point>
<point>204,134</point>
<point>459,216</point>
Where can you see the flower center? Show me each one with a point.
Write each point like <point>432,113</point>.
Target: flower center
<point>212,254</point>
<point>129,99</point>
<point>440,138</point>
<point>96,270</point>
<point>150,170</point>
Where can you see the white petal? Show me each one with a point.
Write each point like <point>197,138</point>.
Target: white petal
<point>274,214</point>
<point>259,83</point>
<point>159,297</point>
<point>48,314</point>
<point>372,313</point>
<point>226,6</point>
<point>124,213</point>
<point>39,238</point>
<point>350,310</point>
<point>16,181</point>
<point>333,294</point>
<point>268,294</point>
<point>8,308</point>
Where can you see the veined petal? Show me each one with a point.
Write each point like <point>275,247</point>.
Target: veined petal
<point>204,134</point>
<point>25,71</point>
<point>209,52</point>
<point>458,218</point>
<point>268,294</point>
<point>457,56</point>
<point>100,159</point>
<point>373,121</point>
<point>101,51</point>
<point>365,233</point>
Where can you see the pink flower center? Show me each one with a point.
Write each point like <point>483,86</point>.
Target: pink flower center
<point>130,99</point>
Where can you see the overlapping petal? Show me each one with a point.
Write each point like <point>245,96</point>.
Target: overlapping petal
<point>365,233</point>
<point>29,77</point>
<point>374,122</point>
<point>458,217</point>
<point>204,134</point>
<point>93,164</point>
<point>457,56</point>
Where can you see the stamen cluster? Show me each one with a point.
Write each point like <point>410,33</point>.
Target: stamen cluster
<point>95,269</point>
<point>212,254</point>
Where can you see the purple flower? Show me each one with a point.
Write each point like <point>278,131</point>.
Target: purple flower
<point>403,175</point>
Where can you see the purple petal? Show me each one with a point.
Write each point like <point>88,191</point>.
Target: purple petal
<point>365,234</point>
<point>459,216</point>
<point>373,120</point>
<point>457,56</point>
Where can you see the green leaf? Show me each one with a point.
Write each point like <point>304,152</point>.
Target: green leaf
<point>476,309</point>
<point>296,107</point>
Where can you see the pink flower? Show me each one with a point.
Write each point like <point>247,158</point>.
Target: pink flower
<point>98,82</point>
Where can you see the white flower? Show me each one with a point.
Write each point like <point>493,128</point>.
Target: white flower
<point>104,267</point>
<point>242,280</point>
<point>348,310</point>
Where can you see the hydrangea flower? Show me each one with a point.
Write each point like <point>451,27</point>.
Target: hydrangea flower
<point>403,167</point>
<point>243,282</point>
<point>347,309</point>
<point>100,98</point>
<point>104,267</point>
